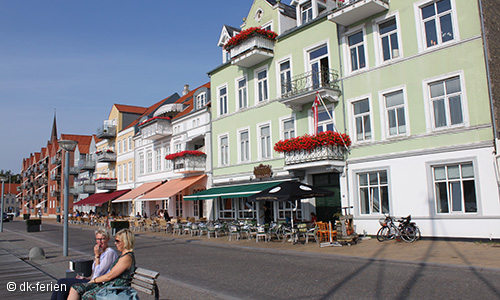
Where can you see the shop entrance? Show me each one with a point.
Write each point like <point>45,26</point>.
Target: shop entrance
<point>327,207</point>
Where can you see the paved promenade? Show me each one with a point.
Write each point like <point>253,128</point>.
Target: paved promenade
<point>14,248</point>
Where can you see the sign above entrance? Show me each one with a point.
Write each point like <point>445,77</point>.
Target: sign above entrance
<point>263,171</point>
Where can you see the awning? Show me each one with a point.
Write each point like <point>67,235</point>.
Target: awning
<point>100,198</point>
<point>138,192</point>
<point>232,191</point>
<point>40,204</point>
<point>173,187</point>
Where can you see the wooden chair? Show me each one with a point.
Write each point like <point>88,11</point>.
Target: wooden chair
<point>322,232</point>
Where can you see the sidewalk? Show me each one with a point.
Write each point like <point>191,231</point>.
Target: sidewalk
<point>432,252</point>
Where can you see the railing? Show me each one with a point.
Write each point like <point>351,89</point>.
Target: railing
<point>256,41</point>
<point>106,131</point>
<point>341,3</point>
<point>55,176</point>
<point>85,189</point>
<point>73,170</point>
<point>310,81</point>
<point>156,129</point>
<point>54,193</point>
<point>56,160</point>
<point>86,164</point>
<point>316,154</point>
<point>106,184</point>
<point>106,156</point>
<point>190,163</point>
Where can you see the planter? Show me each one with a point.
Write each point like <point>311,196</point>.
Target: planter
<point>118,225</point>
<point>33,225</point>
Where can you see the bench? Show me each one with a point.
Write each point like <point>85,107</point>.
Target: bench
<point>145,281</point>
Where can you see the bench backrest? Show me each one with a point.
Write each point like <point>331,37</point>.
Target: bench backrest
<point>145,281</point>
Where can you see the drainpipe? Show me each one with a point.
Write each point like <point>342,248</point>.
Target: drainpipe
<point>495,133</point>
<point>341,74</point>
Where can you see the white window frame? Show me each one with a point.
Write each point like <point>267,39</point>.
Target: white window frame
<point>260,145</point>
<point>125,172</point>
<point>422,44</point>
<point>278,73</point>
<point>223,161</point>
<point>237,92</point>
<point>309,10</point>
<point>347,52</point>
<point>427,101</point>
<point>385,134</point>
<point>352,121</point>
<point>149,161</point>
<point>158,160</point>
<point>168,163</point>
<point>379,53</point>
<point>141,163</point>
<point>241,159</point>
<point>321,109</point>
<point>201,100</point>
<point>130,172</point>
<point>257,85</point>
<point>119,173</point>
<point>225,102</point>
<point>312,48</point>
<point>357,174</point>
<point>284,119</point>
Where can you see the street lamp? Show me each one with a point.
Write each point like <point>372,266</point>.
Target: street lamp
<point>3,179</point>
<point>66,145</point>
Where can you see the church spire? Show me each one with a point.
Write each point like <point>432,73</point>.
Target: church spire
<point>53,136</point>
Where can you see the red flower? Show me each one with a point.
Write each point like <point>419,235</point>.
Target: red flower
<point>247,33</point>
<point>184,153</point>
<point>104,178</point>
<point>309,142</point>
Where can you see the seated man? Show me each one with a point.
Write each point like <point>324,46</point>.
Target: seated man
<point>104,258</point>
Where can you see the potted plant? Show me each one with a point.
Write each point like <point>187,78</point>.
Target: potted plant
<point>33,225</point>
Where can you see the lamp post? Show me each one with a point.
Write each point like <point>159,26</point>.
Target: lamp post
<point>2,179</point>
<point>66,145</point>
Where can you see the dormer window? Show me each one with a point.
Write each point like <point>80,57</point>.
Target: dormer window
<point>306,12</point>
<point>201,100</point>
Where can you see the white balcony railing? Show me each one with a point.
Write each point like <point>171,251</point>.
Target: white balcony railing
<point>252,51</point>
<point>190,163</point>
<point>106,184</point>
<point>323,153</point>
<point>156,129</point>
<point>105,156</point>
<point>349,12</point>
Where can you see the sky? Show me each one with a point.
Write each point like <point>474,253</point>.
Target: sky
<point>78,57</point>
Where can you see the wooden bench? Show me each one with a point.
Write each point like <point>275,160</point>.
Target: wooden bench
<point>145,281</point>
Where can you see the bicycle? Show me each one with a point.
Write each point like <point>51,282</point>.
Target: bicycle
<point>406,230</point>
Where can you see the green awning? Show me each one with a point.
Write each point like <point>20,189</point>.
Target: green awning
<point>232,191</point>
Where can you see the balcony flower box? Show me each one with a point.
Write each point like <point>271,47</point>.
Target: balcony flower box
<point>184,153</point>
<point>248,33</point>
<point>152,119</point>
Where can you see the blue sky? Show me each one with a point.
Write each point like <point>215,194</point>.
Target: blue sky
<point>80,57</point>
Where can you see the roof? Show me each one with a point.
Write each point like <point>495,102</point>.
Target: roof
<point>188,100</point>
<point>138,192</point>
<point>152,108</point>
<point>130,109</point>
<point>100,198</point>
<point>10,188</point>
<point>173,187</point>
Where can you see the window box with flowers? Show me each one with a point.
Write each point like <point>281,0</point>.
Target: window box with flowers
<point>156,128</point>
<point>251,46</point>
<point>324,146</point>
<point>188,161</point>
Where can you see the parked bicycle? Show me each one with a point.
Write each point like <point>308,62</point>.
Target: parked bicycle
<point>406,230</point>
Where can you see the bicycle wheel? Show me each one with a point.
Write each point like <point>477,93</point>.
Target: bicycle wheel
<point>383,234</point>
<point>408,233</point>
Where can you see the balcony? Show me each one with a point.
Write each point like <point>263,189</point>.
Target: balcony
<point>106,131</point>
<point>302,89</point>
<point>106,183</point>
<point>353,11</point>
<point>156,128</point>
<point>73,171</point>
<point>85,189</point>
<point>252,51</point>
<point>55,193</point>
<point>190,163</point>
<point>86,164</point>
<point>106,157</point>
<point>324,156</point>
<point>55,177</point>
<point>56,160</point>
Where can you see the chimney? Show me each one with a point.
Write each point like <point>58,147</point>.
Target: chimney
<point>186,89</point>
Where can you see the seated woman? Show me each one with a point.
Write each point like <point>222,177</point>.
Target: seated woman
<point>104,258</point>
<point>120,274</point>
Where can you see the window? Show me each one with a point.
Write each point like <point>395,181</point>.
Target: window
<point>285,77</point>
<point>324,122</point>
<point>265,141</point>
<point>373,192</point>
<point>119,147</point>
<point>306,12</point>
<point>455,188</point>
<point>224,150</point>
<point>446,102</point>
<point>177,147</point>
<point>130,143</point>
<point>124,145</point>
<point>149,161</point>
<point>318,60</point>
<point>395,112</point>
<point>288,129</point>
<point>262,85</point>
<point>158,160</point>
<point>226,209</point>
<point>242,93</point>
<point>289,208</point>
<point>196,206</point>
<point>141,163</point>
<point>130,172</point>
<point>244,146</point>
<point>120,174</point>
<point>246,210</point>
<point>125,172</point>
<point>201,100</point>
<point>389,39</point>
<point>178,205</point>
<point>223,101</point>
<point>357,51</point>
<point>362,120</point>
<point>437,23</point>
<point>168,163</point>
